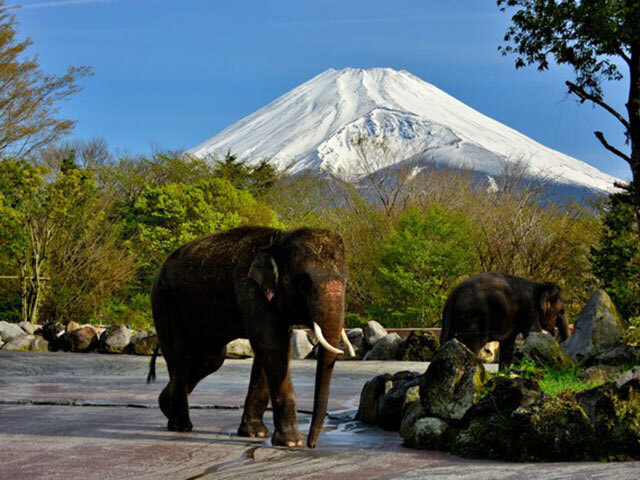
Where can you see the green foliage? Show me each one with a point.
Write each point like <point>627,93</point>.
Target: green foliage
<point>553,381</point>
<point>617,261</point>
<point>424,255</point>
<point>586,35</point>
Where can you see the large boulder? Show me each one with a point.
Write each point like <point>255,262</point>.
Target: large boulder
<point>544,350</point>
<point>9,331</point>
<point>83,339</point>
<point>301,346</point>
<point>356,337</point>
<point>387,348</point>
<point>39,344</point>
<point>115,339</point>
<point>371,398</point>
<point>54,333</point>
<point>428,433</point>
<point>412,413</point>
<point>143,342</point>
<point>597,330</point>
<point>373,332</point>
<point>72,326</point>
<point>552,429</point>
<point>239,348</point>
<point>404,390</point>
<point>21,343</point>
<point>27,327</point>
<point>420,346</point>
<point>452,383</point>
<point>619,355</point>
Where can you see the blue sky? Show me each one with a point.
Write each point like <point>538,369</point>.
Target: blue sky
<point>171,74</point>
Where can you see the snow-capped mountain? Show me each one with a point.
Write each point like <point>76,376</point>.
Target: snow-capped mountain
<point>317,126</point>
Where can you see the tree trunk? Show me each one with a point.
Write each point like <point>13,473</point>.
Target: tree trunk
<point>633,109</point>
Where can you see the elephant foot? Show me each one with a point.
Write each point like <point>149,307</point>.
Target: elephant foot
<point>255,429</point>
<point>180,425</point>
<point>290,439</point>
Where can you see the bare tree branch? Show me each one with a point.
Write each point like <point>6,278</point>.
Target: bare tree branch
<point>584,96</point>
<point>611,148</point>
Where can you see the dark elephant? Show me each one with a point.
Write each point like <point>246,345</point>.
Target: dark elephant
<point>253,283</point>
<point>498,307</point>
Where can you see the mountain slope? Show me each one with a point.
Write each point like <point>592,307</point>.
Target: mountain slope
<point>315,126</point>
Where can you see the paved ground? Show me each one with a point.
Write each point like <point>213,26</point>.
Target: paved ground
<point>67,416</point>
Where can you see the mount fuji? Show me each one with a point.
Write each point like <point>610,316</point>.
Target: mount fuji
<point>317,126</point>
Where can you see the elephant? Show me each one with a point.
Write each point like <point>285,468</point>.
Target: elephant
<point>255,283</point>
<point>498,307</point>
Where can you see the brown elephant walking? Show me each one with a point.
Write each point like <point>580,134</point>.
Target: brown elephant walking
<point>498,307</point>
<point>253,283</point>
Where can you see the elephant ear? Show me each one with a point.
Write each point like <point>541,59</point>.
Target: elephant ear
<point>264,272</point>
<point>550,292</point>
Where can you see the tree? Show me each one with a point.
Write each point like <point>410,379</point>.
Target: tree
<point>29,97</point>
<point>425,254</point>
<point>595,38</point>
<point>617,261</point>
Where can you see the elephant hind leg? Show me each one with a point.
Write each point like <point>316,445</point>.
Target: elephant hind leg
<point>174,401</point>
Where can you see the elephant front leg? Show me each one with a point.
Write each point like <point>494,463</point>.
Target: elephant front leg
<point>283,400</point>
<point>252,424</point>
<point>506,353</point>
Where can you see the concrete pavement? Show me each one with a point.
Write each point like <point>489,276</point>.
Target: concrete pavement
<point>67,416</point>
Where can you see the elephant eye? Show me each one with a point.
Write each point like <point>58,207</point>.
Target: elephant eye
<point>561,312</point>
<point>303,283</point>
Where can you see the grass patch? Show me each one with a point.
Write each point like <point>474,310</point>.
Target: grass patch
<point>555,382</point>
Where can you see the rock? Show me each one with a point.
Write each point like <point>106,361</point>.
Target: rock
<point>301,346</point>
<point>83,339</point>
<point>412,413</point>
<point>39,344</point>
<point>356,337</point>
<point>373,332</point>
<point>543,350</point>
<point>54,333</point>
<point>52,330</point>
<point>619,355</point>
<point>20,343</point>
<point>428,433</point>
<point>488,431</point>
<point>371,396</point>
<point>115,339</point>
<point>452,383</point>
<point>1,343</point>
<point>597,330</point>
<point>552,429</point>
<point>9,331</point>
<point>72,326</point>
<point>239,348</point>
<point>143,342</point>
<point>27,327</point>
<point>386,348</point>
<point>392,403</point>
<point>420,346</point>
<point>490,353</point>
<point>599,373</point>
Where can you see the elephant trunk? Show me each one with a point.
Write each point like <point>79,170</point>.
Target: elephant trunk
<point>563,327</point>
<point>330,320</point>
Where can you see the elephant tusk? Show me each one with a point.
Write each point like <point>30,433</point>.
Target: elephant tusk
<point>346,341</point>
<point>323,341</point>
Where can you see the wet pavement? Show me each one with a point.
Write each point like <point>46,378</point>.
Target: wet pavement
<point>67,416</point>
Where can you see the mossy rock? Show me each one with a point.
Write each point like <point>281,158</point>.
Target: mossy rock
<point>552,429</point>
<point>392,403</point>
<point>420,346</point>
<point>543,350</point>
<point>429,433</point>
<point>452,383</point>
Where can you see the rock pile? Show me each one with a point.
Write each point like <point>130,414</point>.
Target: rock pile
<point>453,407</point>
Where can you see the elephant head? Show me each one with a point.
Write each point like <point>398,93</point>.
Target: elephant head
<point>303,275</point>
<point>553,314</point>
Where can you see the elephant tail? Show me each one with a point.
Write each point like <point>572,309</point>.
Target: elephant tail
<point>151,377</point>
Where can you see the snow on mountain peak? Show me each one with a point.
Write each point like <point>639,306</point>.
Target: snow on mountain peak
<point>315,125</point>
